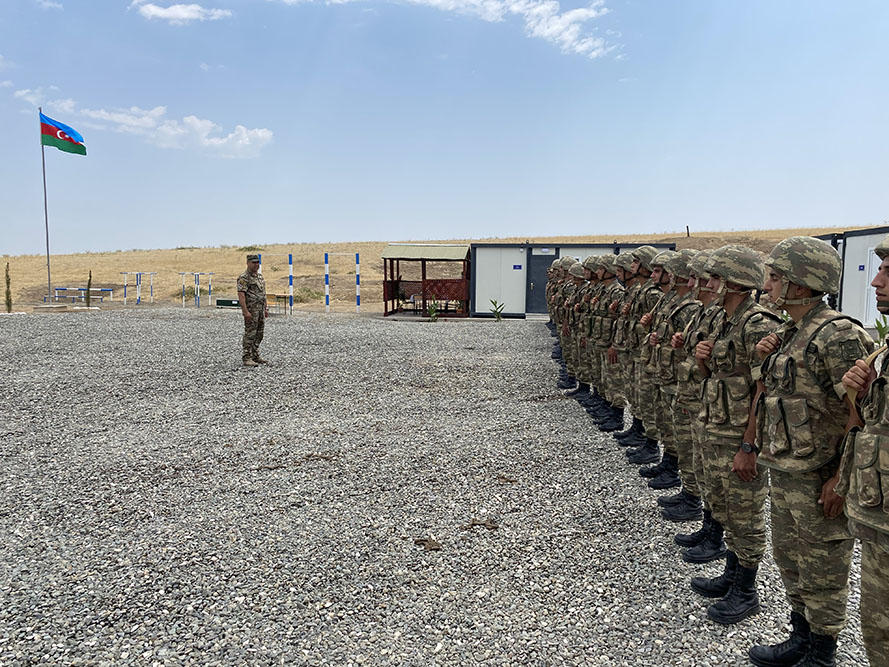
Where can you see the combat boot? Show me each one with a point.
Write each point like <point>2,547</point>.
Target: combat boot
<point>634,430</point>
<point>717,587</point>
<point>647,453</point>
<point>669,476</point>
<point>698,536</point>
<point>653,471</point>
<point>822,652</point>
<point>690,510</point>
<point>710,548</point>
<point>568,382</point>
<point>741,601</point>
<point>260,360</point>
<point>581,391</point>
<point>616,421</point>
<point>669,501</point>
<point>249,362</point>
<point>788,652</point>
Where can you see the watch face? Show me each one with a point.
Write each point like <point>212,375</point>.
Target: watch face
<point>746,447</point>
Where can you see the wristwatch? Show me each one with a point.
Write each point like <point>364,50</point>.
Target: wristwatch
<point>749,447</point>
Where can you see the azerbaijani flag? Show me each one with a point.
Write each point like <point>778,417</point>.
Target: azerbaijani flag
<point>54,133</point>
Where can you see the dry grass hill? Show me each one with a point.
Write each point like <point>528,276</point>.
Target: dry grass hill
<point>28,272</point>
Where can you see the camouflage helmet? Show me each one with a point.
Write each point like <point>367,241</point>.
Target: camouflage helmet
<point>607,262</point>
<point>808,262</point>
<point>566,262</point>
<point>576,270</point>
<point>737,264</point>
<point>555,264</point>
<point>679,264</point>
<point>644,253</point>
<point>698,264</point>
<point>882,249</point>
<point>591,263</point>
<point>624,260</point>
<point>662,258</point>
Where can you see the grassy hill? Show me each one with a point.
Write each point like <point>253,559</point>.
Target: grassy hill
<point>28,272</point>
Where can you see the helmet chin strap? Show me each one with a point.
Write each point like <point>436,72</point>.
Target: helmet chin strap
<point>782,300</point>
<point>883,307</point>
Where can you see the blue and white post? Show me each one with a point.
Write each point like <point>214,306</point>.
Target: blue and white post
<point>357,284</point>
<point>138,288</point>
<point>290,289</point>
<point>326,283</point>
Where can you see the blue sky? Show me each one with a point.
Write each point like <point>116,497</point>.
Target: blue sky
<point>243,121</point>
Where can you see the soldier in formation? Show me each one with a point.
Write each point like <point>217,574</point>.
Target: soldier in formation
<point>734,400</point>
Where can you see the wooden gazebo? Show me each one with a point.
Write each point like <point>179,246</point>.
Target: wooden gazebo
<point>451,293</point>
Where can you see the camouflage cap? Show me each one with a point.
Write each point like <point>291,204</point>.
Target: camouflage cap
<point>644,253</point>
<point>678,265</point>
<point>738,264</point>
<point>808,262</point>
<point>882,249</point>
<point>566,262</point>
<point>624,260</point>
<point>252,258</point>
<point>663,257</point>
<point>576,270</point>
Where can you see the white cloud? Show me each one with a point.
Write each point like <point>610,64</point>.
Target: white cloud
<point>179,14</point>
<point>35,96</point>
<point>543,19</point>
<point>62,106</point>
<point>5,84</point>
<point>190,132</point>
<point>48,4</point>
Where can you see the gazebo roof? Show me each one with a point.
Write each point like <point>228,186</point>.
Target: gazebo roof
<point>429,251</point>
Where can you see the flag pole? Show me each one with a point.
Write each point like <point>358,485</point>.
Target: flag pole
<point>45,213</point>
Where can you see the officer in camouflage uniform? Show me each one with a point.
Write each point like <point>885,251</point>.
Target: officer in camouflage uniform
<point>729,361</point>
<point>561,294</point>
<point>580,329</point>
<point>251,297</point>
<point>802,421</point>
<point>864,481</point>
<point>589,358</point>
<point>572,293</point>
<point>706,544</point>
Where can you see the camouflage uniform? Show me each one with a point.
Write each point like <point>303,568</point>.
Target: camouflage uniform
<point>642,387</point>
<point>802,419</point>
<point>623,370</point>
<point>603,332</point>
<point>253,287</point>
<point>864,481</point>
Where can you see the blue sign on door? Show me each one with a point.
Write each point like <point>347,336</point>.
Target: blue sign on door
<point>517,267</point>
<point>861,267</point>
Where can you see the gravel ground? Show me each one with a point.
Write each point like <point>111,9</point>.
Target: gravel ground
<point>161,504</point>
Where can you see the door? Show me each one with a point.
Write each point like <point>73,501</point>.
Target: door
<point>539,260</point>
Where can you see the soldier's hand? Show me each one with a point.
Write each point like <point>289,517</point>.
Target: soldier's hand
<point>703,350</point>
<point>678,340</point>
<point>831,503</point>
<point>744,465</point>
<point>594,301</point>
<point>266,311</point>
<point>248,316</point>
<point>612,307</point>
<point>856,377</point>
<point>625,310</point>
<point>612,355</point>
<point>767,345</point>
<point>653,338</point>
<point>645,320</point>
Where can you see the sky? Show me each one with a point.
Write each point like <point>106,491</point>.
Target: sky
<point>244,122</point>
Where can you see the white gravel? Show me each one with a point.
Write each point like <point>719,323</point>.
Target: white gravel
<point>161,504</point>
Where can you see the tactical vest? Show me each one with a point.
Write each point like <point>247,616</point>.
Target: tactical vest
<point>800,419</point>
<point>622,326</point>
<point>865,471</point>
<point>688,382</point>
<point>603,324</point>
<point>726,394</point>
<point>664,357</point>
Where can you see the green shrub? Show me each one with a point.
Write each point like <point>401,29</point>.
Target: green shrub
<point>249,248</point>
<point>882,327</point>
<point>432,310</point>
<point>497,309</point>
